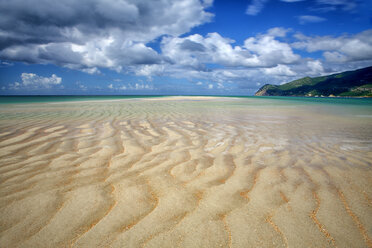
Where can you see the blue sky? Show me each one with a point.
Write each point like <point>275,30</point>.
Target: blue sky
<point>189,47</point>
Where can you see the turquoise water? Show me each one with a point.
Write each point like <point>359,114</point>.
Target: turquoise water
<point>40,99</point>
<point>331,100</point>
<point>260,100</point>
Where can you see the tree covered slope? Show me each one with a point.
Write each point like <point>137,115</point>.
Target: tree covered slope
<point>349,83</point>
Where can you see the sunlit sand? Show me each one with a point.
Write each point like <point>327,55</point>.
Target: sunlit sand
<point>185,172</point>
<point>185,98</point>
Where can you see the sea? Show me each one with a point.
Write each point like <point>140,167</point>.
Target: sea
<point>294,100</point>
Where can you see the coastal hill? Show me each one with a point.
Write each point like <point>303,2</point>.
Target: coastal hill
<point>350,83</point>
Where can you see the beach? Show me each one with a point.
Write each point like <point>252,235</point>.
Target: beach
<point>186,172</point>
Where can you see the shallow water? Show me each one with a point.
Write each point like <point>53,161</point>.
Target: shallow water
<point>190,172</point>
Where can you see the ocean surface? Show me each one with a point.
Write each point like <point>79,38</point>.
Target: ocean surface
<point>310,100</point>
<point>185,171</point>
<point>39,99</point>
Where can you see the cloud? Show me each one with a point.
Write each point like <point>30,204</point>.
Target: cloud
<point>33,81</point>
<point>142,86</point>
<point>92,70</point>
<point>148,70</point>
<point>270,51</point>
<point>310,19</point>
<point>5,64</point>
<point>255,7</point>
<point>345,5</point>
<point>192,46</point>
<point>278,32</point>
<point>14,86</point>
<point>135,86</point>
<point>279,70</point>
<point>210,86</point>
<point>345,48</point>
<point>265,58</point>
<point>93,33</point>
<point>315,67</point>
<point>263,50</point>
<point>245,78</point>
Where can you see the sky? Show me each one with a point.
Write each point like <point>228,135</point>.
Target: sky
<point>177,47</point>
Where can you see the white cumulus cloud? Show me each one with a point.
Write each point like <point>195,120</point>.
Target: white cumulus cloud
<point>343,48</point>
<point>32,80</point>
<point>129,86</point>
<point>90,34</point>
<point>279,70</point>
<point>261,51</point>
<point>315,67</point>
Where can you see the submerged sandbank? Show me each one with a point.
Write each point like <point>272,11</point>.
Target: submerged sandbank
<point>164,173</point>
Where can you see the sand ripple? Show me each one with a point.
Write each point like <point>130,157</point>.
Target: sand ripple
<point>184,173</point>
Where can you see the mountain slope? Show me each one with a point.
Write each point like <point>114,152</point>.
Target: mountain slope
<point>349,83</point>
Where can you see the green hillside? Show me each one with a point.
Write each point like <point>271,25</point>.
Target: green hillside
<point>349,83</point>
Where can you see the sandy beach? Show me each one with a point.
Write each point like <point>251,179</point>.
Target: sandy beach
<point>185,172</point>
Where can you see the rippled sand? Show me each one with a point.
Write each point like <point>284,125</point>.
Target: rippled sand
<point>185,172</point>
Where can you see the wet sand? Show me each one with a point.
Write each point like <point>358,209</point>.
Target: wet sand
<point>185,172</point>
